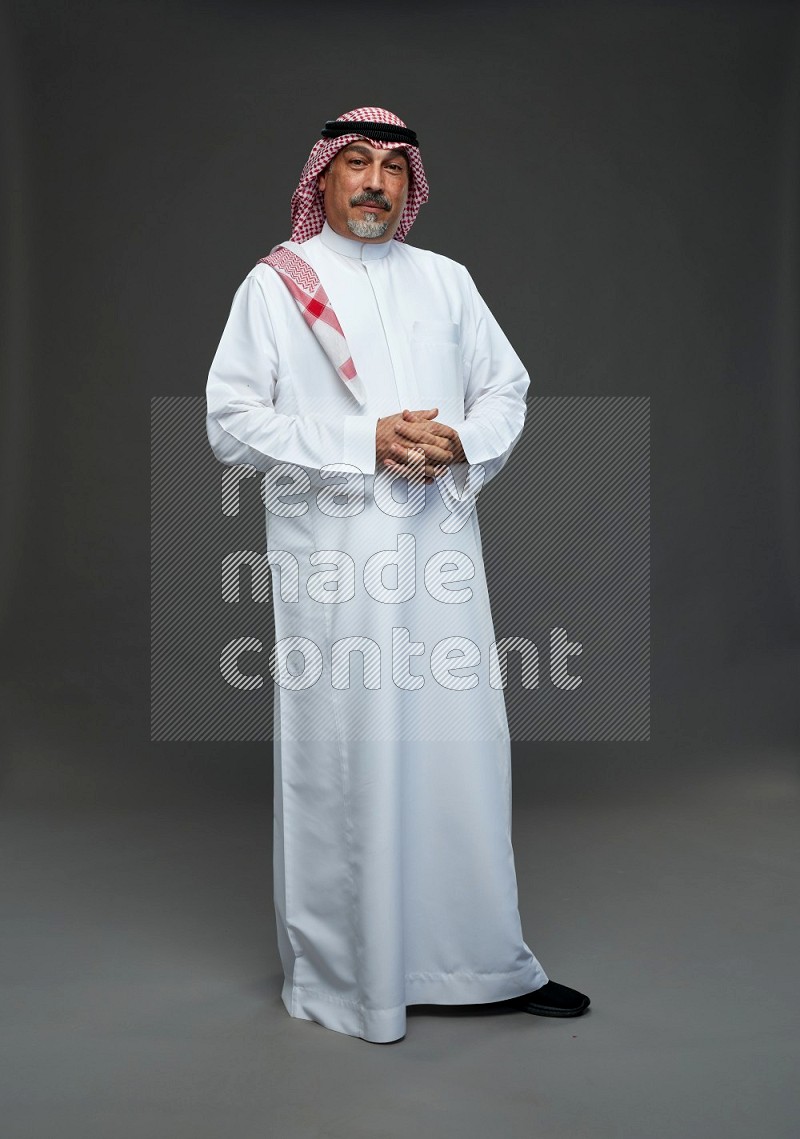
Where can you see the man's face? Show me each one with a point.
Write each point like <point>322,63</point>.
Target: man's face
<point>365,190</point>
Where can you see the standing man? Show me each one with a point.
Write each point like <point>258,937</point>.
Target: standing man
<point>361,375</point>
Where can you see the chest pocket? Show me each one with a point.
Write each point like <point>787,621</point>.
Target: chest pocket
<point>436,347</point>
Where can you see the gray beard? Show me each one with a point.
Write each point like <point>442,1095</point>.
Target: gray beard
<point>367,228</point>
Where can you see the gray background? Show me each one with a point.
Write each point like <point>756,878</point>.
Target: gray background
<point>622,182</point>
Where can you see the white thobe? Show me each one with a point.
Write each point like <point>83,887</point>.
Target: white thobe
<point>394,873</point>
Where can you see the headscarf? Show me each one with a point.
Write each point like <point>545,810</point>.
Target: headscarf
<point>308,210</point>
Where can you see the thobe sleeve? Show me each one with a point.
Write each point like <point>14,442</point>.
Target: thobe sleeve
<point>497,383</point>
<point>242,424</point>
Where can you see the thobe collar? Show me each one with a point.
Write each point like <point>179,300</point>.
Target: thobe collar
<point>352,247</point>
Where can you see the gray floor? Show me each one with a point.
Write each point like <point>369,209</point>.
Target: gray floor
<point>141,982</point>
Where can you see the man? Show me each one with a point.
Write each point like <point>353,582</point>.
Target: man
<point>352,362</point>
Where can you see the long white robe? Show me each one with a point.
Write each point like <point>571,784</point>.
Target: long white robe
<point>394,872</point>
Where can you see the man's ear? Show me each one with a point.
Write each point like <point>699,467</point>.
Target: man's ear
<point>323,177</point>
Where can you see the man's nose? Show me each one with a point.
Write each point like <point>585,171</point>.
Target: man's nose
<point>375,179</point>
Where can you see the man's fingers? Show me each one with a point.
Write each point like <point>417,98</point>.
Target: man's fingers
<point>391,465</point>
<point>439,442</point>
<point>443,429</point>
<point>414,470</point>
<point>419,462</point>
<point>436,434</point>
<point>416,432</point>
<point>413,416</point>
<point>431,451</point>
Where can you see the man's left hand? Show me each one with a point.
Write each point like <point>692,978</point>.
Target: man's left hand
<point>453,441</point>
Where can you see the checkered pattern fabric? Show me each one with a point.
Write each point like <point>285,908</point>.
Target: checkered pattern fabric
<point>308,212</point>
<point>312,300</point>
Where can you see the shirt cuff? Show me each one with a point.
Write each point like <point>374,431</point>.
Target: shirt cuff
<point>359,442</point>
<point>473,442</point>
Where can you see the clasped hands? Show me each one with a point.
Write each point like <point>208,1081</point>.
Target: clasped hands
<point>412,441</point>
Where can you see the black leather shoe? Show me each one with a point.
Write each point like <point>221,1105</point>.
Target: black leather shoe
<point>552,1000</point>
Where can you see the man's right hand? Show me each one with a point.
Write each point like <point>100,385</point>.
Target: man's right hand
<point>422,437</point>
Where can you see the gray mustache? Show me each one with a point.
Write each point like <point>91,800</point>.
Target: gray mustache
<point>384,205</point>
